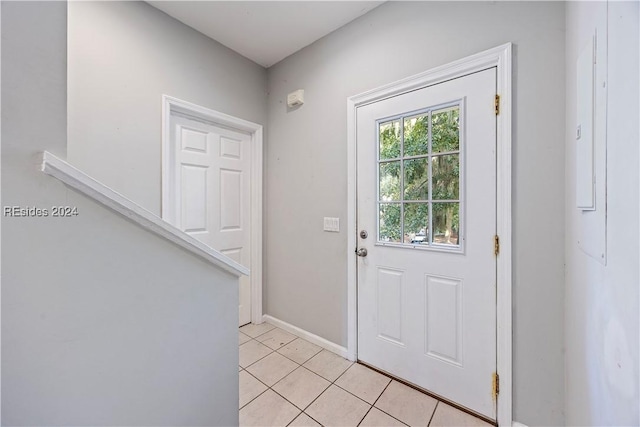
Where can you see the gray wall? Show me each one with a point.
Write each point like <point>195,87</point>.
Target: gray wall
<point>602,325</point>
<point>123,56</point>
<point>306,169</point>
<point>102,322</point>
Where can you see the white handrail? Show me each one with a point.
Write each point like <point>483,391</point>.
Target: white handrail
<point>82,182</point>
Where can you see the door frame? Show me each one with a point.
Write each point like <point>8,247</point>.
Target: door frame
<point>499,57</point>
<point>174,105</point>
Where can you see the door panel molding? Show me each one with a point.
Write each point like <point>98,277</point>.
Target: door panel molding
<point>172,105</point>
<point>501,58</point>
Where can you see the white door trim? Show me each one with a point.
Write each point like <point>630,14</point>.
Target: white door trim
<point>171,104</point>
<point>499,57</point>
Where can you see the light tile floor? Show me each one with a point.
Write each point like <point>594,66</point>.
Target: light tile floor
<point>287,381</point>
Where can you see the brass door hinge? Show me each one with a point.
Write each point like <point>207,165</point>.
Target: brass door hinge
<point>496,384</point>
<point>496,245</point>
<point>497,104</point>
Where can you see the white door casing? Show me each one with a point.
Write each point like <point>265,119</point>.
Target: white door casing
<point>426,312</point>
<point>211,184</point>
<point>500,58</point>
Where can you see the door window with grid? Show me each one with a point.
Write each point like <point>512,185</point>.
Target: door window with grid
<point>419,176</point>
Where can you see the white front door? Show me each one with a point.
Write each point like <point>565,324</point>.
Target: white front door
<point>426,189</point>
<point>211,185</point>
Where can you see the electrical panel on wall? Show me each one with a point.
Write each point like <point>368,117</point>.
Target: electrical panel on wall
<point>591,145</point>
<point>585,177</point>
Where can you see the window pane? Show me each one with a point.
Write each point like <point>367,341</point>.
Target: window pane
<point>390,181</point>
<point>389,222</point>
<point>416,135</point>
<point>446,177</point>
<point>446,223</point>
<point>416,179</point>
<point>445,130</point>
<point>416,223</point>
<point>389,140</point>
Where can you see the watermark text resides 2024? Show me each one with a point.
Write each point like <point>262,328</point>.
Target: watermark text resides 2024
<point>36,212</point>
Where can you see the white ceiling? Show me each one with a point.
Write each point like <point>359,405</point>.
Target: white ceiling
<point>265,31</point>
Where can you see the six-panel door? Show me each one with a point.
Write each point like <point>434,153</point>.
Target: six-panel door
<point>211,184</point>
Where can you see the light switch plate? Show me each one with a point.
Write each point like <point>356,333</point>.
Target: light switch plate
<point>331,224</point>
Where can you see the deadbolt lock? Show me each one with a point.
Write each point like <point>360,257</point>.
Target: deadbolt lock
<point>364,234</point>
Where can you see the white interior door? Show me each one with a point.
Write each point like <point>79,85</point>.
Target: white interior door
<point>426,186</point>
<point>211,185</point>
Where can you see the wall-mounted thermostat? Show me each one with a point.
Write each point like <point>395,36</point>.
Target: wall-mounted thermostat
<point>295,98</point>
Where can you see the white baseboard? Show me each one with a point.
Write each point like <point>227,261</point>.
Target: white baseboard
<point>312,338</point>
<point>517,424</point>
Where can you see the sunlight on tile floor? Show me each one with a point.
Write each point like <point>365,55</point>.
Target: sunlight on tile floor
<point>287,381</point>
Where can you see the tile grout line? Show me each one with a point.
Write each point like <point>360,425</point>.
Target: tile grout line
<point>348,392</point>
<point>314,355</point>
<point>280,354</point>
<point>301,365</point>
<point>280,378</point>
<point>272,350</point>
<point>371,405</point>
<point>276,392</point>
<point>434,413</point>
<point>374,402</point>
<point>284,397</point>
<point>342,388</point>
<point>421,391</point>
<point>294,418</point>
<point>382,410</point>
<point>253,363</point>
<point>277,350</point>
<point>259,335</point>
<point>271,387</point>
<point>323,391</point>
<point>261,393</point>
<point>253,376</point>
